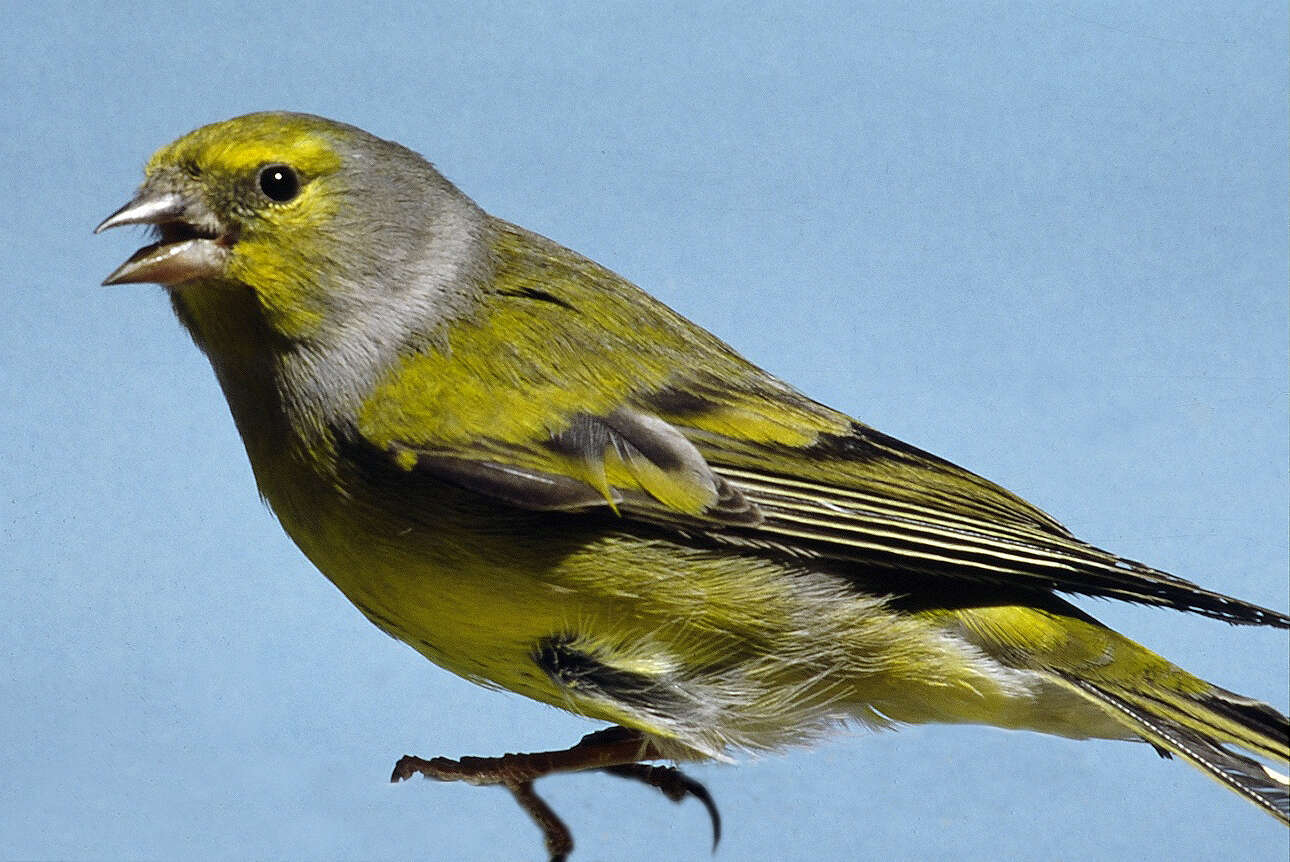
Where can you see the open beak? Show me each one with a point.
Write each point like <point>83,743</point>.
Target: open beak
<point>191,243</point>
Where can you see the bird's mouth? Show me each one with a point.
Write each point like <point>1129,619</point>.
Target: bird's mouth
<point>192,243</point>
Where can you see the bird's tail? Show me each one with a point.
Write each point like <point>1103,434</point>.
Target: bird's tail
<point>1199,727</point>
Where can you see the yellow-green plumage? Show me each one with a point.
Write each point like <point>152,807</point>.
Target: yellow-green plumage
<point>544,480</point>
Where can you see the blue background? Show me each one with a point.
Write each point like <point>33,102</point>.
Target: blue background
<point>1046,241</point>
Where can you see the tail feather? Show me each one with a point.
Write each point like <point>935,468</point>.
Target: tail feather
<point>1195,728</point>
<point>1262,729</point>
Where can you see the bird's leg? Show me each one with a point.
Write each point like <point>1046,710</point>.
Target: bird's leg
<point>616,750</point>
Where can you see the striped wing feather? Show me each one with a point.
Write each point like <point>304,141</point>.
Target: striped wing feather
<point>953,525</point>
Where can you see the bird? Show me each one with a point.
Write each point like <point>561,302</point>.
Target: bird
<point>546,481</point>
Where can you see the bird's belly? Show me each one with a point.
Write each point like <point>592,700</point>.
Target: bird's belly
<point>463,612</point>
<point>704,648</point>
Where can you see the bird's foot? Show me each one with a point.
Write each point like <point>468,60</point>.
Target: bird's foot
<point>616,750</point>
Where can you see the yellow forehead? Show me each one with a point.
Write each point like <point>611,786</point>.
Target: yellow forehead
<point>245,143</point>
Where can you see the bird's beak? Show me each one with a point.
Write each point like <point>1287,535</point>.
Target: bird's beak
<point>192,243</point>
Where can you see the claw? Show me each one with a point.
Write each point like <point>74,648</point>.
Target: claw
<point>675,785</point>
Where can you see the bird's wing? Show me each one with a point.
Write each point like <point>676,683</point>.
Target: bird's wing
<point>753,464</point>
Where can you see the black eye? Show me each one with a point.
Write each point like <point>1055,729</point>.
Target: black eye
<point>279,182</point>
